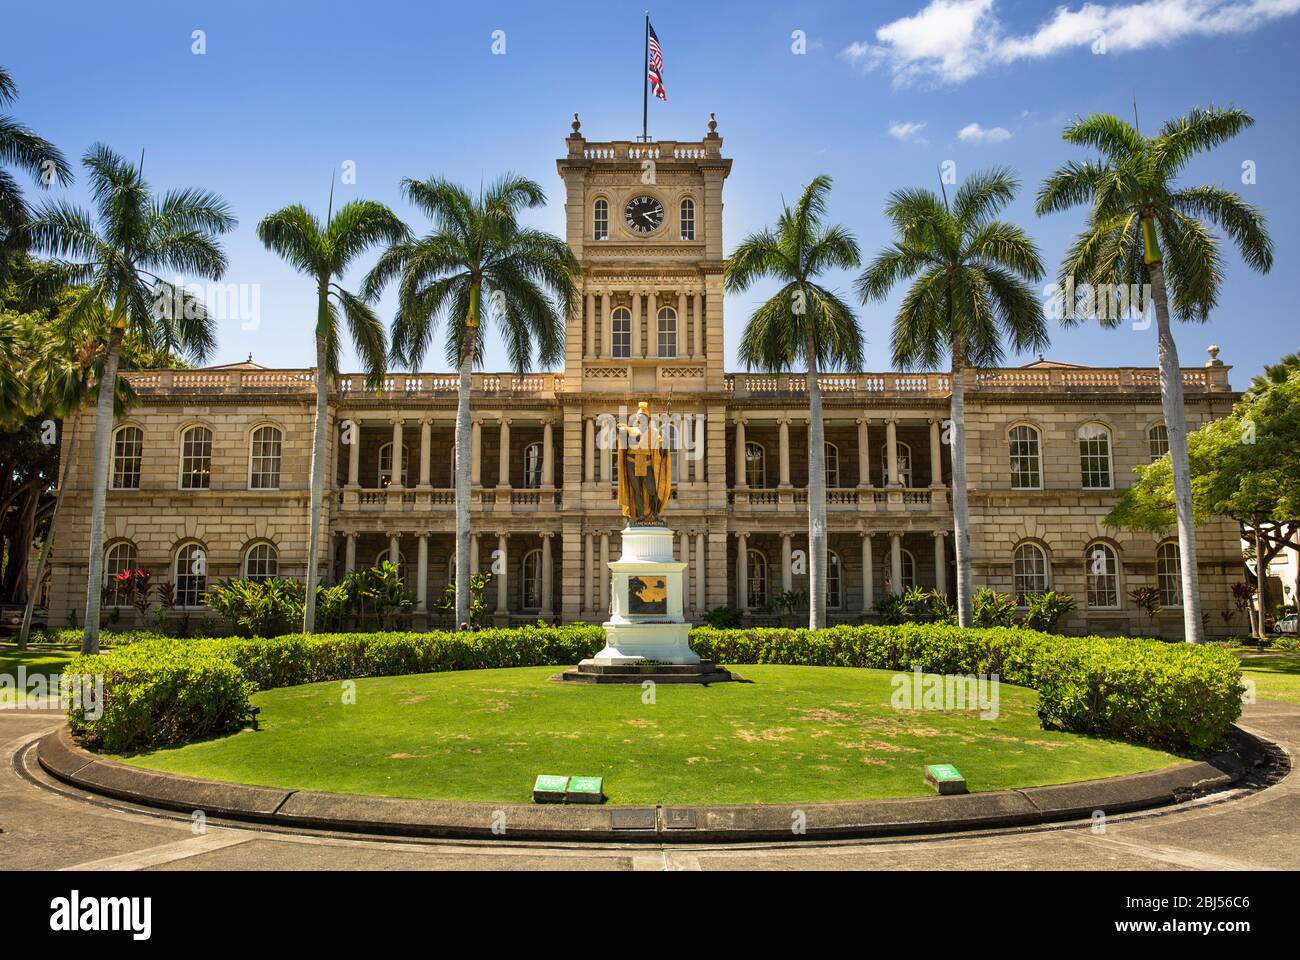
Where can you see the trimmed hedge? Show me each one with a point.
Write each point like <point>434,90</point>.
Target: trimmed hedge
<point>160,692</point>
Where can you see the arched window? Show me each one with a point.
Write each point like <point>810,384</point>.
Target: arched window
<point>1103,576</point>
<point>1169,574</point>
<point>261,561</point>
<point>1158,439</point>
<point>1026,458</point>
<point>196,458</point>
<point>1031,571</point>
<point>530,581</point>
<point>904,463</point>
<point>118,557</point>
<point>831,455</point>
<point>834,581</point>
<point>191,576</point>
<point>264,459</point>
<point>667,332</point>
<point>385,476</point>
<point>755,465</point>
<point>533,465</point>
<point>600,220</point>
<point>621,332</point>
<point>756,571</point>
<point>1094,457</point>
<point>688,219</point>
<point>128,454</point>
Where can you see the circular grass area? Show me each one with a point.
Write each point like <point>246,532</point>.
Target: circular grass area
<point>790,735</point>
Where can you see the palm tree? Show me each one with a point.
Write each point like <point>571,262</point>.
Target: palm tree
<point>478,260</point>
<point>1144,229</point>
<point>22,148</point>
<point>115,255</point>
<point>324,252</point>
<point>61,376</point>
<point>972,291</point>
<point>803,321</point>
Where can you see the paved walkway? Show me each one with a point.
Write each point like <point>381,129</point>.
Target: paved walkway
<point>49,826</point>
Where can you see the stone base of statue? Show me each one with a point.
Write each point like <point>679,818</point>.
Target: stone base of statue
<point>646,634</point>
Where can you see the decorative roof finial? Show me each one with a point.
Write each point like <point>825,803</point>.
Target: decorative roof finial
<point>577,124</point>
<point>1213,351</point>
<point>713,122</point>
<point>250,356</point>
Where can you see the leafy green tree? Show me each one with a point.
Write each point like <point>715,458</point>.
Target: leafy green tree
<point>35,156</point>
<point>971,292</point>
<point>1145,229</point>
<point>324,252</point>
<point>478,261</point>
<point>805,321</point>
<point>115,256</point>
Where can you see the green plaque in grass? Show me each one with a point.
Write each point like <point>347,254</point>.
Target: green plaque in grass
<point>585,790</point>
<point>548,789</point>
<point>945,778</point>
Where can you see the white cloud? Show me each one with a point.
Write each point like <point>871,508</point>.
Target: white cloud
<point>951,41</point>
<point>908,131</point>
<point>974,133</point>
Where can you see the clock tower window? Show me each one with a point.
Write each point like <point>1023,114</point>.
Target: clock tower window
<point>600,220</point>
<point>688,219</point>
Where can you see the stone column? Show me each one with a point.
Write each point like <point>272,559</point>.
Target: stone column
<point>397,454</point>
<point>697,343</point>
<point>896,564</point>
<point>785,451</point>
<point>607,326</point>
<point>940,563</point>
<point>864,453</point>
<point>589,465</point>
<point>868,575</point>
<point>936,456</point>
<point>787,574</point>
<point>503,577</point>
<point>548,606</point>
<point>476,453</point>
<point>589,578</point>
<point>548,453</point>
<point>350,553</point>
<point>473,553</point>
<point>685,557</point>
<point>742,571</point>
<point>395,549</point>
<point>422,574</point>
<point>602,458</point>
<point>635,352</point>
<point>602,574</point>
<point>503,457</point>
<point>591,324</point>
<point>679,338</point>
<point>700,566</point>
<point>354,456</point>
<point>891,451</point>
<point>426,451</point>
<point>740,453</point>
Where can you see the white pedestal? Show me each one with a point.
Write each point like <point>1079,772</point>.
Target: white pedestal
<point>646,623</point>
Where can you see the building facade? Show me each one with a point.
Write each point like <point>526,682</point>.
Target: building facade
<point>213,464</point>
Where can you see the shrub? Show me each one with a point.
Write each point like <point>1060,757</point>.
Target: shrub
<point>158,693</point>
<point>993,609</point>
<point>1044,610</point>
<point>258,608</point>
<point>725,618</point>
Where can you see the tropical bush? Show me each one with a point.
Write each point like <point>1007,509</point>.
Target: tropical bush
<point>993,609</point>
<point>1044,610</point>
<point>725,618</point>
<point>258,608</point>
<point>1182,696</point>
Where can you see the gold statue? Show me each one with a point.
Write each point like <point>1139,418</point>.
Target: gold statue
<point>644,469</point>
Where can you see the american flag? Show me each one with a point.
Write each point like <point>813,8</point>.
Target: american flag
<point>656,69</point>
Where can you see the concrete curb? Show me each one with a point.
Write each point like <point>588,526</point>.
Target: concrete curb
<point>62,758</point>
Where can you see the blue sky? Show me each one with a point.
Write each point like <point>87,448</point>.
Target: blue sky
<point>288,92</point>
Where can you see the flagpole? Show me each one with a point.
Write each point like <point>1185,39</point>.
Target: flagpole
<point>645,83</point>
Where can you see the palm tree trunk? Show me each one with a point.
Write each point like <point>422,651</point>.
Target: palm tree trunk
<point>960,510</point>
<point>1261,591</point>
<point>319,454</point>
<point>70,448</point>
<point>463,465</point>
<point>1171,398</point>
<point>99,485</point>
<point>816,493</point>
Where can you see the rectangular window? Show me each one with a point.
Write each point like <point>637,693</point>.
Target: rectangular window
<point>1026,472</point>
<point>196,459</point>
<point>688,220</point>
<point>668,334</point>
<point>1094,459</point>
<point>264,467</point>
<point>128,450</point>
<point>621,332</point>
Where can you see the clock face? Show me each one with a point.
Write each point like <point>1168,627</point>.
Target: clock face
<point>643,214</point>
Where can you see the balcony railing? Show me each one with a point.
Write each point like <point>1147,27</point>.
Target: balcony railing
<point>842,498</point>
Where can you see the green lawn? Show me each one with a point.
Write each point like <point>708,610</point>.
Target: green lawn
<point>44,659</point>
<point>1276,676</point>
<point>795,734</point>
